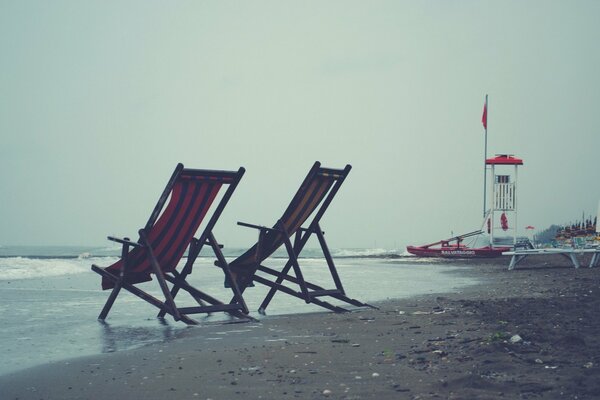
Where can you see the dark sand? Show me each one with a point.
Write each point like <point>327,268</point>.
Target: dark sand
<point>449,346</point>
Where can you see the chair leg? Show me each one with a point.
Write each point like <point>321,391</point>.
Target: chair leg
<point>142,295</point>
<point>157,303</point>
<point>594,259</point>
<point>237,294</point>
<point>111,299</point>
<point>195,248</point>
<point>513,262</point>
<point>574,260</point>
<point>309,296</point>
<point>292,262</point>
<point>118,282</point>
<point>297,270</point>
<point>273,290</point>
<point>169,301</point>
<point>178,281</point>
<point>315,288</point>
<point>299,295</point>
<point>330,264</point>
<point>515,259</point>
<point>215,305</point>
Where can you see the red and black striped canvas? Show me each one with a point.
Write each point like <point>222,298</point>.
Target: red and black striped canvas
<point>191,198</point>
<point>308,198</point>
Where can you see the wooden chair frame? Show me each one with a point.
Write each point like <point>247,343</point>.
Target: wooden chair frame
<point>237,307</point>
<point>309,292</point>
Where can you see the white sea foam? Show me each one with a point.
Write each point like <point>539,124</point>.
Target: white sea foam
<point>13,268</point>
<point>363,252</point>
<point>75,261</point>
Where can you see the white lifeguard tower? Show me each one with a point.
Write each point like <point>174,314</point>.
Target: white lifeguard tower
<point>502,215</point>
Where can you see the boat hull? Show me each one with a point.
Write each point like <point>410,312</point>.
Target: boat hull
<point>457,252</point>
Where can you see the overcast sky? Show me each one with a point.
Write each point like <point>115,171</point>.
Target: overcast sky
<point>99,100</point>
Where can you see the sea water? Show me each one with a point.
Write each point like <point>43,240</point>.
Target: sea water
<point>50,299</point>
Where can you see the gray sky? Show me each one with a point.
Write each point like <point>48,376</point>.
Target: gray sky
<point>99,101</point>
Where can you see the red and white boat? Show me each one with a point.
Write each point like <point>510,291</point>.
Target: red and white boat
<point>453,248</point>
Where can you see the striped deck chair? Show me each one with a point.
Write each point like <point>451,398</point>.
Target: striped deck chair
<point>313,197</point>
<point>165,238</point>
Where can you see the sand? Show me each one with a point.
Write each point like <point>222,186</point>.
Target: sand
<point>525,334</point>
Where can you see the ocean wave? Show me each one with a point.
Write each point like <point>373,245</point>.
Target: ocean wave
<point>14,268</point>
<point>68,261</point>
<point>362,253</point>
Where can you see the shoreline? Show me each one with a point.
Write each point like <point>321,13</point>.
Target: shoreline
<point>53,318</point>
<point>445,345</point>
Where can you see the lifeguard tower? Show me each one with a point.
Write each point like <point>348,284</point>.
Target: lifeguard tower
<point>502,214</point>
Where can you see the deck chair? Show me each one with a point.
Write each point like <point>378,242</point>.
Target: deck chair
<point>163,241</point>
<point>313,197</point>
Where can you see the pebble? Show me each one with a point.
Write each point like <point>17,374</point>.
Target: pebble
<point>326,392</point>
<point>516,339</point>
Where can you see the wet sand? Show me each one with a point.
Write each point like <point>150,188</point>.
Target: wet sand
<point>524,334</point>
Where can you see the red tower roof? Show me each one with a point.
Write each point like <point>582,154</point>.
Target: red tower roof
<point>504,159</point>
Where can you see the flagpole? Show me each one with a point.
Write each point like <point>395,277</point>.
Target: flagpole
<point>485,154</point>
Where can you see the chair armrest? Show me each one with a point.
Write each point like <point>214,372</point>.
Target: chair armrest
<point>259,227</point>
<point>310,230</point>
<point>124,241</point>
<point>247,225</point>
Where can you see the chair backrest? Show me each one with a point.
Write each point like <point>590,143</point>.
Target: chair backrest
<point>318,189</point>
<point>190,194</point>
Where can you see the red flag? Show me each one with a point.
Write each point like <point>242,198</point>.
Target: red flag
<point>484,116</point>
